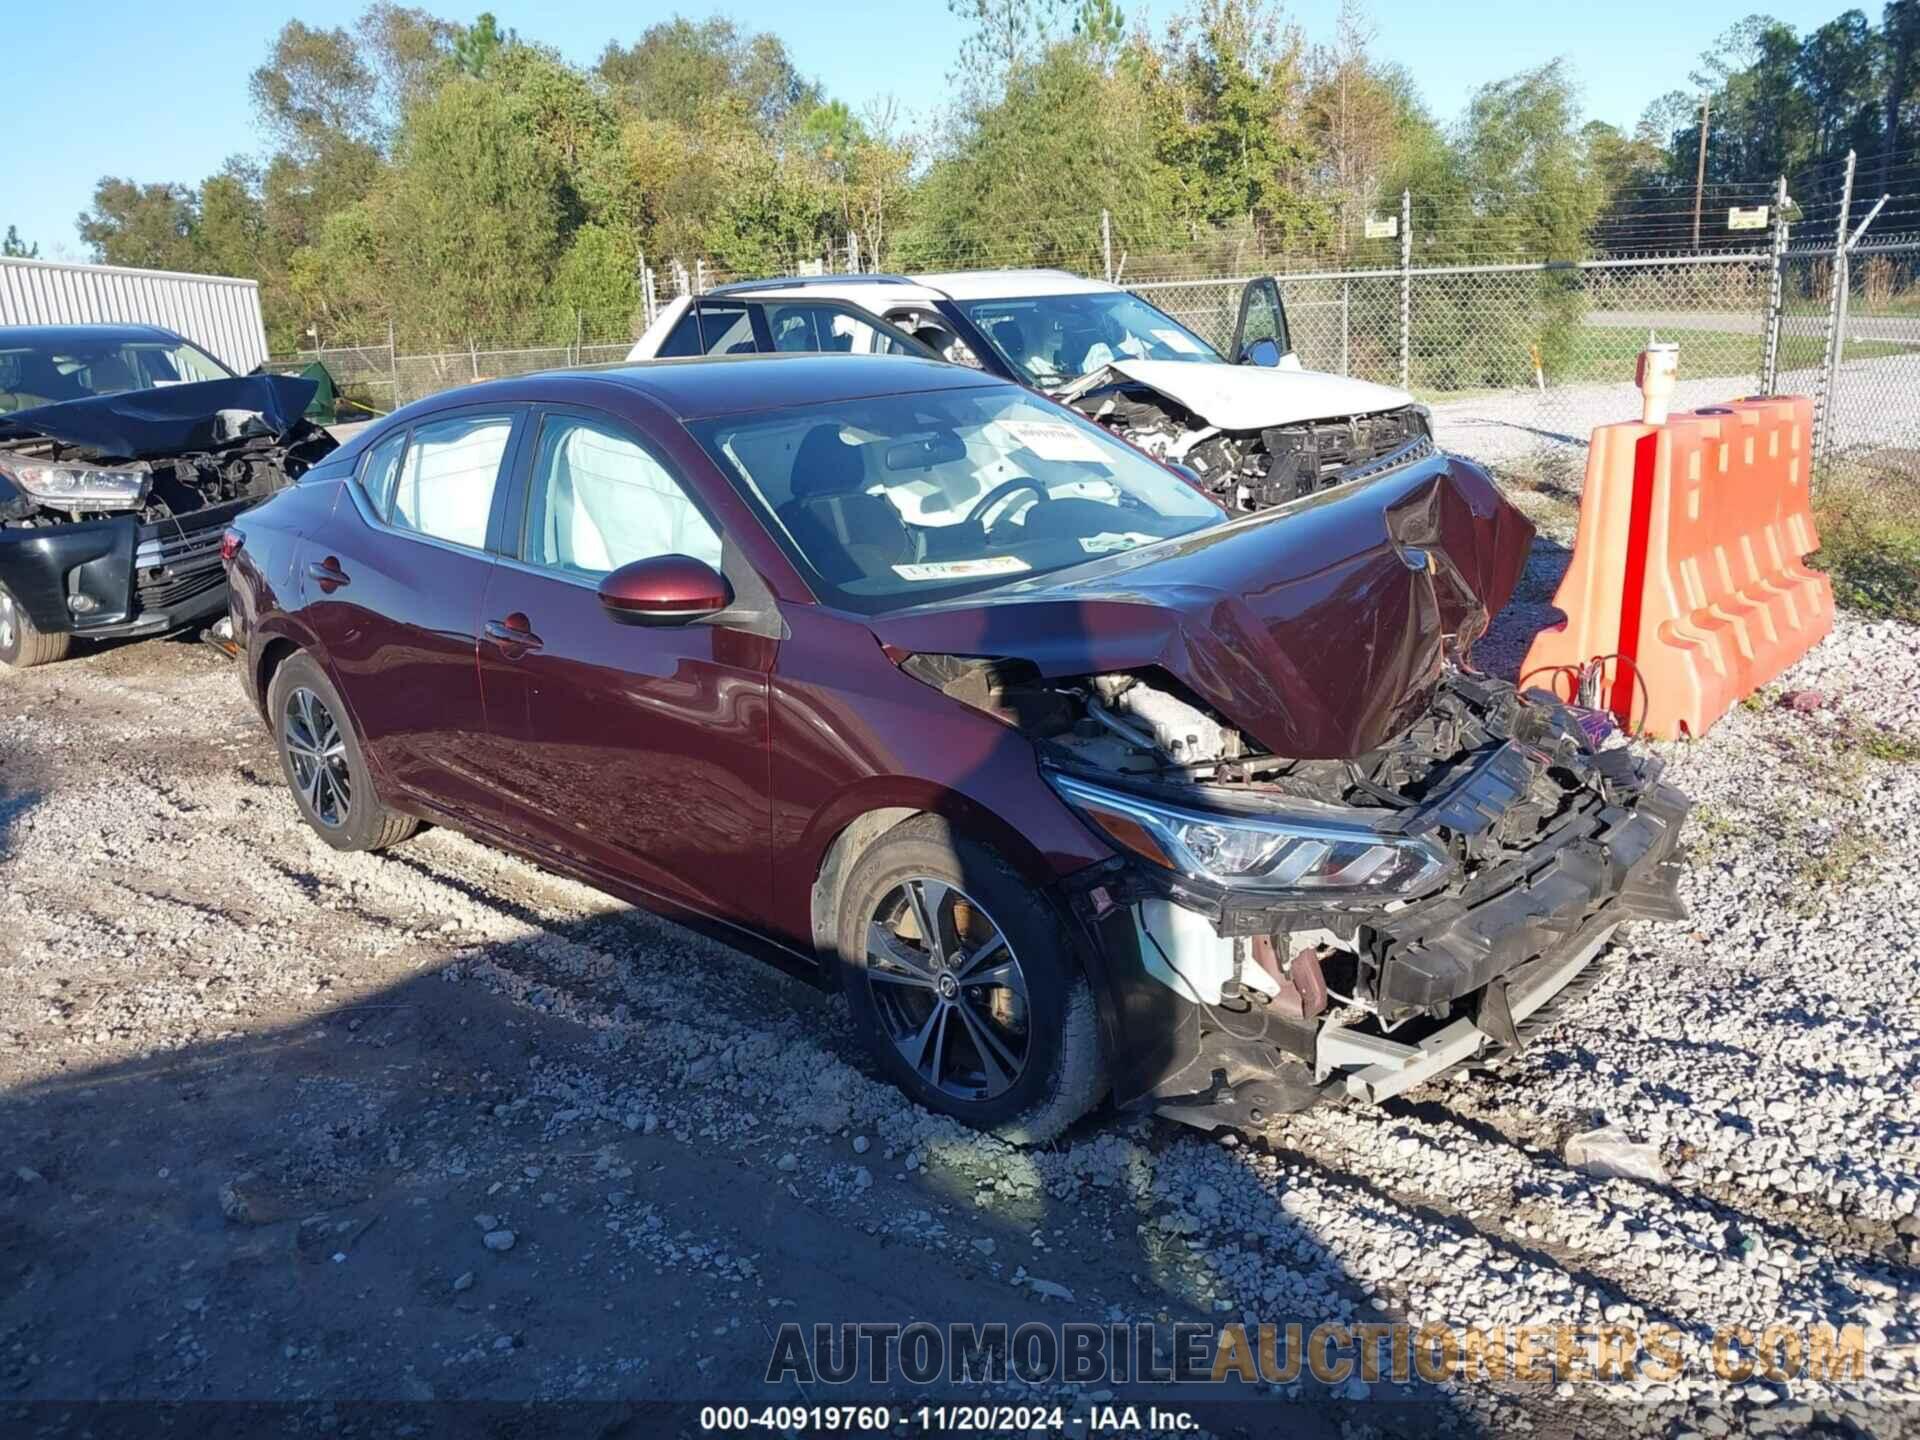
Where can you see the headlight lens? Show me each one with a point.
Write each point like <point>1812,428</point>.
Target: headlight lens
<point>72,486</point>
<point>1277,854</point>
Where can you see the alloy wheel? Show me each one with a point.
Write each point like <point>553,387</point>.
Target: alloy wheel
<point>318,754</point>
<point>9,622</point>
<point>948,989</point>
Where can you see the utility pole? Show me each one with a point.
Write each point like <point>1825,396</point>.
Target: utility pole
<point>1700,168</point>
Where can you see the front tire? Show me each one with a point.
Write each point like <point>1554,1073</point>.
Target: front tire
<point>23,644</point>
<point>323,764</point>
<point>963,983</point>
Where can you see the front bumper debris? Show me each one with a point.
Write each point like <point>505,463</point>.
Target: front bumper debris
<point>114,578</point>
<point>1377,1067</point>
<point>1420,989</point>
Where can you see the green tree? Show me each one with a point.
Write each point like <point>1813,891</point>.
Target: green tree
<point>1839,69</point>
<point>1239,143</point>
<point>469,222</point>
<point>1900,28</point>
<point>1024,178</point>
<point>1003,38</point>
<point>477,46</point>
<point>149,227</point>
<point>679,70</point>
<point>12,247</point>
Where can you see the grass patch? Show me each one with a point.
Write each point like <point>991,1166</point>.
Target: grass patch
<point>1833,867</point>
<point>1890,746</point>
<point>1711,830</point>
<point>1605,352</point>
<point>1870,540</point>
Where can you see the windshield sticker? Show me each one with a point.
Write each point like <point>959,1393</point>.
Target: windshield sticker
<point>963,569</point>
<point>1114,540</point>
<point>1175,340</point>
<point>1053,440</point>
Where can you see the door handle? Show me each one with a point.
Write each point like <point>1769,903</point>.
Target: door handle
<point>513,634</point>
<point>328,574</point>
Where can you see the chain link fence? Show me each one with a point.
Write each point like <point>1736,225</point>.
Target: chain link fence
<point>1519,361</point>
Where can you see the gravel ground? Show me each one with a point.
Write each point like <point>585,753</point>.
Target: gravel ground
<point>281,1123</point>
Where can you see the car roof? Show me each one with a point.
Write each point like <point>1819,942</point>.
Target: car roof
<point>951,285</point>
<point>701,387</point>
<point>51,337</point>
<point>867,291</point>
<point>1011,284</point>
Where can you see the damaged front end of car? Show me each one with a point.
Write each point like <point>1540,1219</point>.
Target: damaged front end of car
<point>1274,928</point>
<point>1342,857</point>
<point>112,508</point>
<point>1236,445</point>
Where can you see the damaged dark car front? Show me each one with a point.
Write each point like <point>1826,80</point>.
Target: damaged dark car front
<point>113,504</point>
<point>1345,859</point>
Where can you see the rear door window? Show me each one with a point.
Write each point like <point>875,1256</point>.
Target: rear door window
<point>447,478</point>
<point>830,329</point>
<point>712,327</point>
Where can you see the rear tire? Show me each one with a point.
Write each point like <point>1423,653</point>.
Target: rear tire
<point>994,1025</point>
<point>323,764</point>
<point>23,644</point>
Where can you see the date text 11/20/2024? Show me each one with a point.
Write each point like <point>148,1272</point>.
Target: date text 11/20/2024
<point>940,1419</point>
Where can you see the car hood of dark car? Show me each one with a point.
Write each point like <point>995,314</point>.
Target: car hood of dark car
<point>1320,629</point>
<point>171,420</point>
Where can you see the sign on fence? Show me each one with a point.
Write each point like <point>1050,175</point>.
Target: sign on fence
<point>1382,229</point>
<point>1751,217</point>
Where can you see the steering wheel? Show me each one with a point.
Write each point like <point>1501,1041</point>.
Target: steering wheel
<point>999,493</point>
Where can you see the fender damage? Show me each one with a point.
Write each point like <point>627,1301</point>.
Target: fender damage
<point>1342,856</point>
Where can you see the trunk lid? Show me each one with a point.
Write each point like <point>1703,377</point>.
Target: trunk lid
<point>1319,628</point>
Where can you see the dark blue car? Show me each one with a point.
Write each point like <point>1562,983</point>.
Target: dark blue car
<point>124,452</point>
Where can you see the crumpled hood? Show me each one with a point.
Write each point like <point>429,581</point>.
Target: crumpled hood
<point>1318,628</point>
<point>140,424</point>
<point>1251,397</point>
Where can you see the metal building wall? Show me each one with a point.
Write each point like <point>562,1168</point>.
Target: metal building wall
<point>220,315</point>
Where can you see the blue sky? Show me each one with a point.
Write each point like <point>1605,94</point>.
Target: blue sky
<point>181,70</point>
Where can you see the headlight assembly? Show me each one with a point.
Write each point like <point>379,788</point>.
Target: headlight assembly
<point>75,487</point>
<point>1278,854</point>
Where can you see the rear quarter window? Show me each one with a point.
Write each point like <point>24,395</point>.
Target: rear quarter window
<point>380,469</point>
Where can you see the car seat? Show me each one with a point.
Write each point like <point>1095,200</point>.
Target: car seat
<point>111,375</point>
<point>844,532</point>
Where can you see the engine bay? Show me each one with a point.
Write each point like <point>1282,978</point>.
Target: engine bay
<point>1503,783</point>
<point>1248,471</point>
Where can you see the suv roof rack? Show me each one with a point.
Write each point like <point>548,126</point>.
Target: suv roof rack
<point>791,282</point>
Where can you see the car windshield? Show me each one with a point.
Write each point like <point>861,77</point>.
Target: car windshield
<point>1051,340</point>
<point>47,375</point>
<point>899,499</point>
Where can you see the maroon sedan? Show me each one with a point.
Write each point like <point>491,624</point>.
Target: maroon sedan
<point>1074,785</point>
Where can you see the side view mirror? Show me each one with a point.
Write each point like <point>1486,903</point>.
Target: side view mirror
<point>664,590</point>
<point>1263,352</point>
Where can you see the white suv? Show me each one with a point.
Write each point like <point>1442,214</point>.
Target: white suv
<point>1251,426</point>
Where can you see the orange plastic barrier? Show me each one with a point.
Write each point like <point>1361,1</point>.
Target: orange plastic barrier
<point>1687,577</point>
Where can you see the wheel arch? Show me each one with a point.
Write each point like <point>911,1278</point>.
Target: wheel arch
<point>840,837</point>
<point>275,653</point>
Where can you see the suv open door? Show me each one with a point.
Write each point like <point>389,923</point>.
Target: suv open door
<point>1260,335</point>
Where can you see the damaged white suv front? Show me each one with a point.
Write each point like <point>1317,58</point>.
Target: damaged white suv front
<point>1248,425</point>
